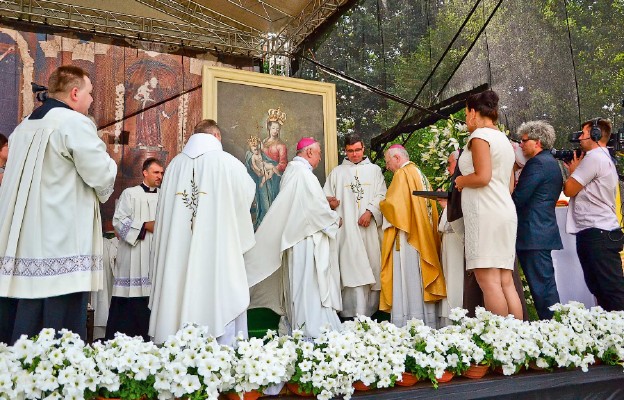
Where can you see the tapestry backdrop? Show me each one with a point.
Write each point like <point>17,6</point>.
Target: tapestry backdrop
<point>125,80</point>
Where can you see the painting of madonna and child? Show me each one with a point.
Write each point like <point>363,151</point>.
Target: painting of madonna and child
<point>262,117</point>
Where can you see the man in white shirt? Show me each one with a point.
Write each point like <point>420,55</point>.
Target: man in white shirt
<point>354,190</point>
<point>50,225</point>
<point>203,227</point>
<point>293,269</point>
<point>591,215</point>
<point>134,224</point>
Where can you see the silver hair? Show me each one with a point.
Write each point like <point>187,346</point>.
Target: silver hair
<point>398,150</point>
<point>539,130</point>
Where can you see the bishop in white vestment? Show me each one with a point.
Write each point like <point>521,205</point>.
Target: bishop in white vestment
<point>293,269</point>
<point>203,227</point>
<point>50,226</point>
<point>358,185</point>
<point>134,223</point>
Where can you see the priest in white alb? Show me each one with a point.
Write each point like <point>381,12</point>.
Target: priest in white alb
<point>354,189</point>
<point>293,268</point>
<point>50,226</point>
<point>203,227</point>
<point>412,281</point>
<point>134,223</point>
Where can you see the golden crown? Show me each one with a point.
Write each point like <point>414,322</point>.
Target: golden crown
<point>253,141</point>
<point>277,115</point>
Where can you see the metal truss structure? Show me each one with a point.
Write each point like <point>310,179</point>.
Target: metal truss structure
<point>265,29</point>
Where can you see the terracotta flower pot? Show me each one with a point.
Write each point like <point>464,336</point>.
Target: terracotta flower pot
<point>447,376</point>
<point>359,385</point>
<point>253,395</point>
<point>476,371</point>
<point>408,380</point>
<point>294,387</point>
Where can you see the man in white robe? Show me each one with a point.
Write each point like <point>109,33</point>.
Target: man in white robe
<point>354,189</point>
<point>134,223</point>
<point>452,256</point>
<point>203,227</point>
<point>50,227</point>
<point>412,281</point>
<point>293,269</point>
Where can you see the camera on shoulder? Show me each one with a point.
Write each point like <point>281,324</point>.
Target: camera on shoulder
<point>566,155</point>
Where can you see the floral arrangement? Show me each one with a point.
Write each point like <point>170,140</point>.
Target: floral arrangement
<point>126,367</point>
<point>49,366</point>
<point>325,366</point>
<point>381,351</point>
<point>444,140</point>
<point>193,365</point>
<point>260,363</point>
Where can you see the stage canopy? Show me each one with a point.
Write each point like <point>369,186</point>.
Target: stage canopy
<point>250,28</point>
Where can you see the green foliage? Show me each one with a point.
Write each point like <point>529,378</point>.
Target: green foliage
<point>525,54</point>
<point>132,389</point>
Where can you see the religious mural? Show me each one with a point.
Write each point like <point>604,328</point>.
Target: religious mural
<point>125,80</point>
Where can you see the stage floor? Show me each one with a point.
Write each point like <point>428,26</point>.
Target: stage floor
<point>600,382</point>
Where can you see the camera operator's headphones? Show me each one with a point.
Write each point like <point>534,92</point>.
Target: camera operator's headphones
<point>595,133</point>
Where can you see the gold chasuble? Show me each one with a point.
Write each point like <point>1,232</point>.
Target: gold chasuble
<point>415,216</point>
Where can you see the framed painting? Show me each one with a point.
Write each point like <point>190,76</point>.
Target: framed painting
<point>262,117</point>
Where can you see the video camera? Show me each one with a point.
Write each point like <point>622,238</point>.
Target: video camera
<point>40,91</point>
<point>568,155</point>
<point>614,145</point>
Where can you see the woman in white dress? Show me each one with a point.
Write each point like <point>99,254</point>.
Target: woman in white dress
<point>490,218</point>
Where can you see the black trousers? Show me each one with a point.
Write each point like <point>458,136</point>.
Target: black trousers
<point>598,250</point>
<point>540,275</point>
<point>29,316</point>
<point>128,315</point>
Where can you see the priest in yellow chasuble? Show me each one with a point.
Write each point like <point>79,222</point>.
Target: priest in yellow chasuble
<point>412,281</point>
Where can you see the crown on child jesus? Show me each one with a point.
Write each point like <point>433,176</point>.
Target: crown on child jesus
<point>276,115</point>
<point>253,141</point>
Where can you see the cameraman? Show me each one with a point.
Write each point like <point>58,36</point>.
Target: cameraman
<point>591,216</point>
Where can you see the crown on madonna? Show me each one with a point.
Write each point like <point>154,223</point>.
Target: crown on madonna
<point>276,115</point>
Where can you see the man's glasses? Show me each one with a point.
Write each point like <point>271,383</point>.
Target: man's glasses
<point>525,140</point>
<point>355,150</point>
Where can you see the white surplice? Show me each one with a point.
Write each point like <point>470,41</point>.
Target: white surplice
<point>297,233</point>
<point>203,227</point>
<point>359,187</point>
<point>50,225</point>
<point>453,266</point>
<point>135,207</point>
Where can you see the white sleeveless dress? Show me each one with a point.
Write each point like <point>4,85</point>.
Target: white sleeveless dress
<point>489,212</point>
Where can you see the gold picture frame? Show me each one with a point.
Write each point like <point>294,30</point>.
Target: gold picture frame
<point>215,77</point>
<point>262,117</point>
